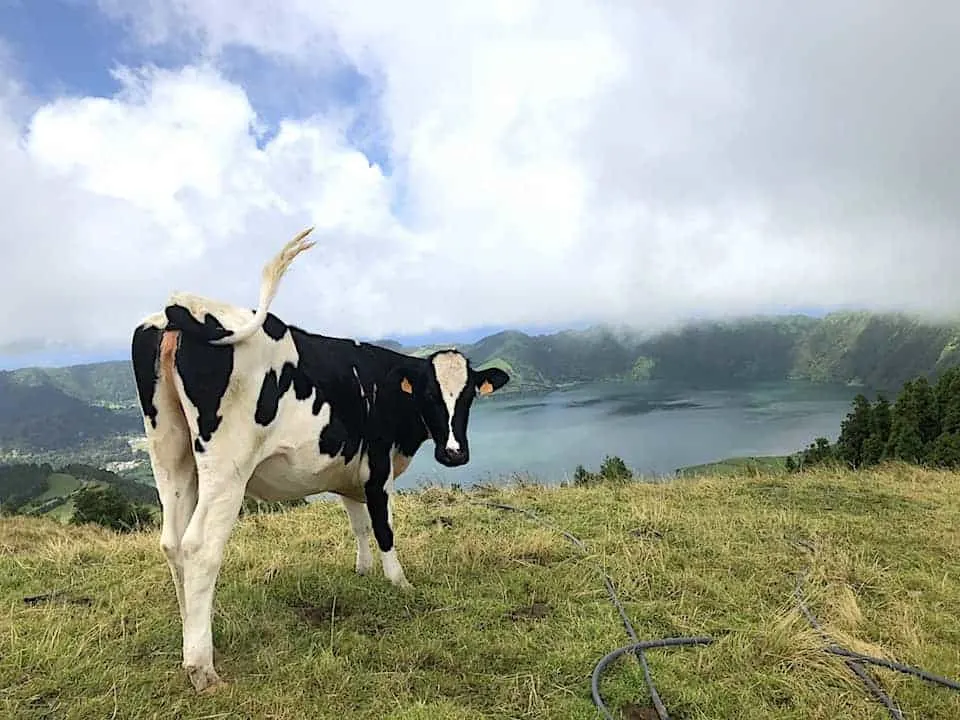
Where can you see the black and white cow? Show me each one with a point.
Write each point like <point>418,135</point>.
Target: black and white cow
<point>237,404</point>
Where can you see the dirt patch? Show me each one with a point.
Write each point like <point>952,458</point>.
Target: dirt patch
<point>534,611</point>
<point>322,613</point>
<point>335,610</point>
<point>635,712</point>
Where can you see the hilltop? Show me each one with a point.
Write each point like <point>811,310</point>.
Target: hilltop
<point>88,413</point>
<point>508,619</point>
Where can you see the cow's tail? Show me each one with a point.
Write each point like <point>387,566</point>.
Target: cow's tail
<point>270,280</point>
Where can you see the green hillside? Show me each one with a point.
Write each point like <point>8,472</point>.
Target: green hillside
<point>107,384</point>
<point>40,420</point>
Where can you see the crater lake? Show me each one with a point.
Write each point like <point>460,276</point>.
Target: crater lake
<point>654,427</point>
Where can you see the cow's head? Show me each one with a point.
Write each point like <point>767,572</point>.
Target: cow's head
<point>443,389</point>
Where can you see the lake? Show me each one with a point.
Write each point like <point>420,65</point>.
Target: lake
<point>656,429</point>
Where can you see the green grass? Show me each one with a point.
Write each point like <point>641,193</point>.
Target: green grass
<point>299,635</point>
<point>59,484</point>
<point>736,465</point>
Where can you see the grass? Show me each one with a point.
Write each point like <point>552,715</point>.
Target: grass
<point>747,464</point>
<point>58,484</point>
<point>508,619</point>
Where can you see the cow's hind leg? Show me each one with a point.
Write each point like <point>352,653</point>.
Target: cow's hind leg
<point>360,522</point>
<point>221,487</point>
<point>176,479</point>
<point>168,442</point>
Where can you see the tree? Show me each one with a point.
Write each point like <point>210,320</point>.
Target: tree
<point>947,392</point>
<point>614,468</point>
<point>854,432</point>
<point>874,449</point>
<point>582,476</point>
<point>108,507</point>
<point>945,451</point>
<point>819,452</point>
<point>927,411</point>
<point>905,441</point>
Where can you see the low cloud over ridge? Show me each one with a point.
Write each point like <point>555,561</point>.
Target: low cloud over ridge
<point>546,163</point>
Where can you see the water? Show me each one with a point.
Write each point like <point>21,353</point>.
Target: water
<point>654,428</point>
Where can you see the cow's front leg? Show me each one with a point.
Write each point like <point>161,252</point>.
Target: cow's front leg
<point>378,505</point>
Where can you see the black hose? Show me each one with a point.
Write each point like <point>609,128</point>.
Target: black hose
<point>854,660</point>
<point>891,665</point>
<point>855,667</point>
<point>638,648</point>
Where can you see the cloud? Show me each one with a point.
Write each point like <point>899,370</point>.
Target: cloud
<point>549,163</point>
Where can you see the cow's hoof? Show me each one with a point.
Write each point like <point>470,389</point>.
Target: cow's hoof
<point>403,584</point>
<point>364,568</point>
<point>204,679</point>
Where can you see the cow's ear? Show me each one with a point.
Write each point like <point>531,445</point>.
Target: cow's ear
<point>490,380</point>
<point>405,384</point>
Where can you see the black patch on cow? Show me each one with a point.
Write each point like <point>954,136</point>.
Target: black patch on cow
<point>268,402</point>
<point>204,369</point>
<point>327,366</point>
<point>335,439</point>
<point>198,446</point>
<point>378,457</point>
<point>179,318</point>
<point>145,353</point>
<point>274,327</point>
<point>273,388</point>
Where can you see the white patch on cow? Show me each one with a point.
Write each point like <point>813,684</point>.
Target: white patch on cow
<point>451,371</point>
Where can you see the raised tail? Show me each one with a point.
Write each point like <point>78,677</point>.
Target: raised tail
<point>272,273</point>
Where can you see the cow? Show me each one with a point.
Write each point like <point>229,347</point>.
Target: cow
<point>239,403</point>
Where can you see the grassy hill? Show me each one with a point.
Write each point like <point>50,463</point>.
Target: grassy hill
<point>87,413</point>
<point>508,619</point>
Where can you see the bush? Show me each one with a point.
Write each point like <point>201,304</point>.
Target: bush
<point>108,507</point>
<point>612,469</point>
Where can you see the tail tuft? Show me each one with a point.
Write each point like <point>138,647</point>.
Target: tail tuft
<point>273,272</point>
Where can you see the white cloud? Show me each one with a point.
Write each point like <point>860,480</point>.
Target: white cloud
<point>554,162</point>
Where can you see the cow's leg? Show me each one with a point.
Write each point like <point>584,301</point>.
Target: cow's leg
<point>360,522</point>
<point>376,489</point>
<point>176,479</point>
<point>169,443</point>
<point>220,494</point>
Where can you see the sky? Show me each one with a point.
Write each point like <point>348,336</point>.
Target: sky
<point>471,166</point>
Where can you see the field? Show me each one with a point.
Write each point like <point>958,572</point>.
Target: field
<point>507,618</point>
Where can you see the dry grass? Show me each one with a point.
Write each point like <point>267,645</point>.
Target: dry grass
<point>508,619</point>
